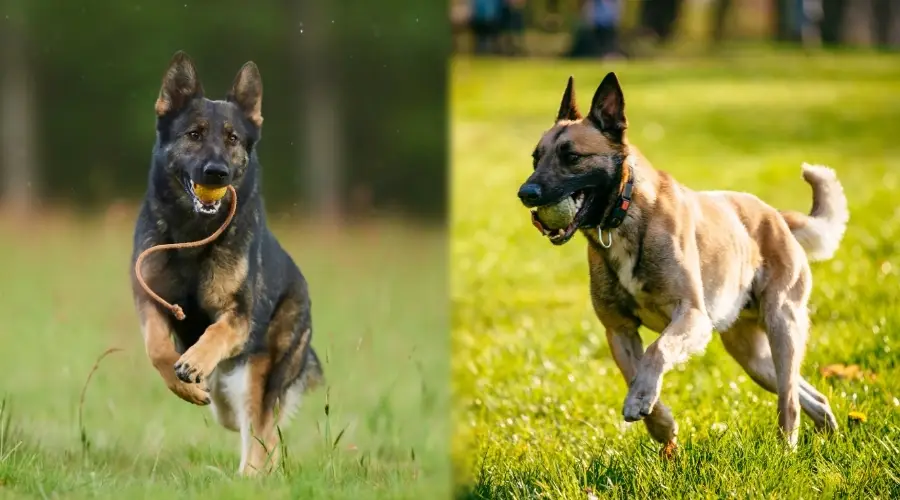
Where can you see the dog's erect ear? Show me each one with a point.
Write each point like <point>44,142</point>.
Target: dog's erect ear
<point>568,108</point>
<point>608,106</point>
<point>179,86</point>
<point>247,92</point>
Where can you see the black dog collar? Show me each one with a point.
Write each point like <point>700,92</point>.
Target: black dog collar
<point>617,216</point>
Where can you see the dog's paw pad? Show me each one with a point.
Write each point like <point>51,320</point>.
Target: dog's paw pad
<point>633,411</point>
<point>638,404</point>
<point>187,373</point>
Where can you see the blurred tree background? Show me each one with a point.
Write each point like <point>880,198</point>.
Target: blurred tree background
<point>354,98</point>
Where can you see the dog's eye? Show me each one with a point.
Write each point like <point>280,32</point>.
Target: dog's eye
<point>232,138</point>
<point>193,134</point>
<point>572,158</point>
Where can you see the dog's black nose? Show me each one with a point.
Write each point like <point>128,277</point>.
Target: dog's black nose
<point>529,193</point>
<point>215,173</point>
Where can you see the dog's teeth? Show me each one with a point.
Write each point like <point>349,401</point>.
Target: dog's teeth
<point>561,232</point>
<point>546,232</point>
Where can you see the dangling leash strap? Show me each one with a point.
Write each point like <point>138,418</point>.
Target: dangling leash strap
<point>175,308</point>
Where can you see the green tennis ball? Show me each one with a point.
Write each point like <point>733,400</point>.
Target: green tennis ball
<point>557,216</point>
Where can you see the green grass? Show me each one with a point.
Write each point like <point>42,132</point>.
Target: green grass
<point>537,397</point>
<point>380,326</point>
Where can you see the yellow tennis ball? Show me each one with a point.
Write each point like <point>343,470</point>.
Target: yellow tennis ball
<point>209,194</point>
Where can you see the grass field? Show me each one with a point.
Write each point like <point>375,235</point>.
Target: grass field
<point>380,325</point>
<point>538,399</point>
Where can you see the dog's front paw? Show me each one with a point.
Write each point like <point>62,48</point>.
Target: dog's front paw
<point>669,450</point>
<point>192,393</point>
<point>642,397</point>
<point>192,367</point>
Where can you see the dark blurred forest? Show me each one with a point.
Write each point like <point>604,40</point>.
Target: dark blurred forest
<point>354,98</point>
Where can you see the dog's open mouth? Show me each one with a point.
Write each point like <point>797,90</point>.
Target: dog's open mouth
<point>582,200</point>
<point>207,199</point>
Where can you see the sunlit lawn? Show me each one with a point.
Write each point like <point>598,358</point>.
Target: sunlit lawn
<point>380,326</point>
<point>538,399</point>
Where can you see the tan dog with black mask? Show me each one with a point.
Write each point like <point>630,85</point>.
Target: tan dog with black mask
<point>684,263</point>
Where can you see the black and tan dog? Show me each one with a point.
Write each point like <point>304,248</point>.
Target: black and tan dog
<point>244,345</point>
<point>684,263</point>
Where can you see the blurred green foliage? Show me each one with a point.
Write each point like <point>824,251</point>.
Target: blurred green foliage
<point>97,66</point>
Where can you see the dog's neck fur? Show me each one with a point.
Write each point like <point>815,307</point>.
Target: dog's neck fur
<point>643,198</point>
<point>615,212</point>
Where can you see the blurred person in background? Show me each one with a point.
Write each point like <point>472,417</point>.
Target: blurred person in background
<point>808,21</point>
<point>597,35</point>
<point>513,18</point>
<point>657,19</point>
<point>887,24</point>
<point>487,25</point>
<point>720,11</point>
<point>797,21</point>
<point>832,18</point>
<point>460,21</point>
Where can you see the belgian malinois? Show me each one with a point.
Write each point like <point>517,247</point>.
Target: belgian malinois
<point>684,263</point>
<point>244,345</point>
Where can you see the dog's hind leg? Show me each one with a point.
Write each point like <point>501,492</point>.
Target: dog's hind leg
<point>627,349</point>
<point>259,438</point>
<point>746,342</point>
<point>240,403</point>
<point>787,324</point>
<point>278,377</point>
<point>225,389</point>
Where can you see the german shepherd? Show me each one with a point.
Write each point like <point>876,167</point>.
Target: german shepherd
<point>244,345</point>
<point>684,263</point>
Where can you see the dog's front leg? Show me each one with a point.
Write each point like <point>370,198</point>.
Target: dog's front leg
<point>689,332</point>
<point>157,333</point>
<point>627,350</point>
<point>223,339</point>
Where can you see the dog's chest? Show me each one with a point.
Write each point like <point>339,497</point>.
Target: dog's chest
<point>622,258</point>
<point>206,280</point>
<point>624,261</point>
<point>199,290</point>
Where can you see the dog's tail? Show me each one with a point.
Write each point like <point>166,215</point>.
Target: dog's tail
<point>311,376</point>
<point>312,373</point>
<point>820,232</point>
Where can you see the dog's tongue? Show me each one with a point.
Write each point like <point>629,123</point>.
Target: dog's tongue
<point>536,222</point>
